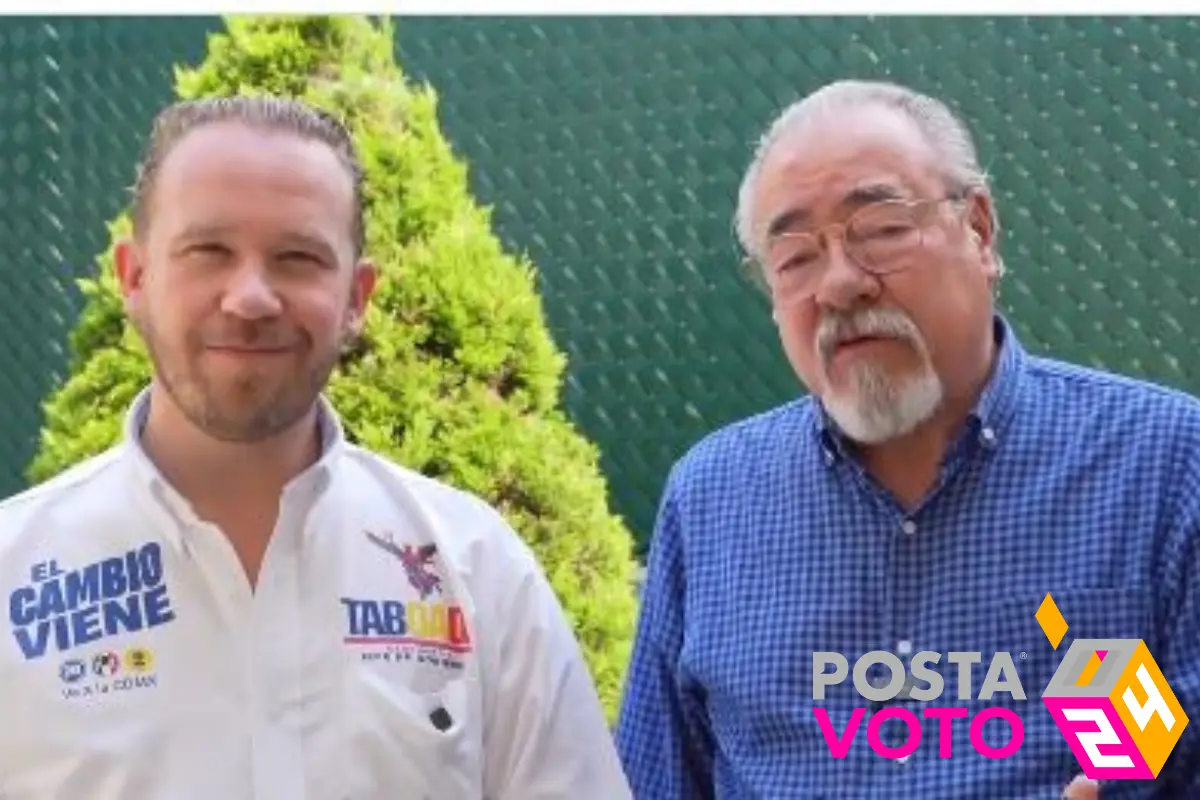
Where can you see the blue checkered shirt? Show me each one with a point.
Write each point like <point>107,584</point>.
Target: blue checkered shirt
<point>772,544</point>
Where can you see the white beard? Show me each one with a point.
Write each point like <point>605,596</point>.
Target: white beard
<point>877,406</point>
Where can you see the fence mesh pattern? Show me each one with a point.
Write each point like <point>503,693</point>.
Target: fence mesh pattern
<point>611,150</point>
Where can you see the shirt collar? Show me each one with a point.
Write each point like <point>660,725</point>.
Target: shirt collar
<point>166,499</point>
<point>994,410</point>
<point>990,418</point>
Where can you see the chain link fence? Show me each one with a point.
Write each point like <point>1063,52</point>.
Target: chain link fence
<point>611,150</point>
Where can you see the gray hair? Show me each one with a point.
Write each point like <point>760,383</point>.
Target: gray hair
<point>945,132</point>
<point>279,114</point>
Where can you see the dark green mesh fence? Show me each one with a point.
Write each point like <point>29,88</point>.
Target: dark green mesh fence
<point>611,150</point>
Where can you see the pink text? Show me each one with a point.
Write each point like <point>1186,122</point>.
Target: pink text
<point>839,746</point>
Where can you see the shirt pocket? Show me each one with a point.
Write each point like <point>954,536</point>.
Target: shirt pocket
<point>419,744</point>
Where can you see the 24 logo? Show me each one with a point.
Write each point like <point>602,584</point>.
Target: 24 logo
<point>1112,703</point>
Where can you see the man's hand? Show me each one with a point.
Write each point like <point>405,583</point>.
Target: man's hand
<point>1082,789</point>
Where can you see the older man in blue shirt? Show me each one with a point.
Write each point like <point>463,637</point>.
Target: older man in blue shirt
<point>938,482</point>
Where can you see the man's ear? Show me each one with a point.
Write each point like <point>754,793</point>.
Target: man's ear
<point>130,268</point>
<point>362,288</point>
<point>981,218</point>
<point>982,228</point>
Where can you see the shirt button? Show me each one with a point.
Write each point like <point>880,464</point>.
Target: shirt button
<point>989,436</point>
<point>904,647</point>
<point>902,760</point>
<point>909,527</point>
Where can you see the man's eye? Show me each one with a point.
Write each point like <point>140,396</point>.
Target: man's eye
<point>208,251</point>
<point>300,258</point>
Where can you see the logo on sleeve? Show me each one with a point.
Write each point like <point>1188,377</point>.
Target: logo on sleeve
<point>63,609</point>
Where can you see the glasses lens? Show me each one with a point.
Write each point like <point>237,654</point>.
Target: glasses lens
<point>884,236</point>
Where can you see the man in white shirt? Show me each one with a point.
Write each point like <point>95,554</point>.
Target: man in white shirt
<point>235,602</point>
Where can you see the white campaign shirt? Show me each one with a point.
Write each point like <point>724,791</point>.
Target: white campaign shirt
<point>402,643</point>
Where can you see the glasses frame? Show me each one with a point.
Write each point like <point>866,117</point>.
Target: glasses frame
<point>924,208</point>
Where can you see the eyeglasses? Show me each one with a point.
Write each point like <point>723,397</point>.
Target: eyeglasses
<point>881,238</point>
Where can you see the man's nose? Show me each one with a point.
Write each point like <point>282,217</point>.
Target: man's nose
<point>843,283</point>
<point>250,293</point>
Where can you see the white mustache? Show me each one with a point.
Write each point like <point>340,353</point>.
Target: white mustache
<point>837,328</point>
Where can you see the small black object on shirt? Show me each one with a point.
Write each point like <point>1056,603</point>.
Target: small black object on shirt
<point>440,718</point>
